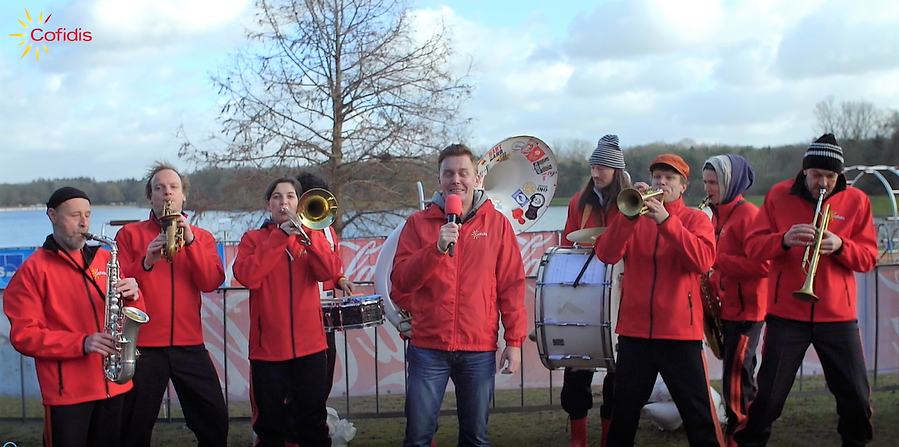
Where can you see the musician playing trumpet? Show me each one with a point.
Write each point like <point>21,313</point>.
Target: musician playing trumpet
<point>281,264</point>
<point>740,283</point>
<point>782,233</point>
<point>660,319</point>
<point>171,344</point>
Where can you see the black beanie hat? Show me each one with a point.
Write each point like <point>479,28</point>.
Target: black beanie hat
<point>824,153</point>
<point>65,193</point>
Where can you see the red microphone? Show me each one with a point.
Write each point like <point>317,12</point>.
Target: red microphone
<point>453,210</point>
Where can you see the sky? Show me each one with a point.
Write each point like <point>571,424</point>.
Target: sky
<point>743,72</point>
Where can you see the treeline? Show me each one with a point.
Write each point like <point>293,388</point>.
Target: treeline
<point>241,188</point>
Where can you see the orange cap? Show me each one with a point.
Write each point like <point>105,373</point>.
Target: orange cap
<point>673,161</point>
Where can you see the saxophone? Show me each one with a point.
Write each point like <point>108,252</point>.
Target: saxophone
<point>712,326</point>
<point>122,322</point>
<point>174,235</point>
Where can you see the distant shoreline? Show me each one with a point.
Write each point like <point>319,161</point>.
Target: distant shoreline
<point>42,207</point>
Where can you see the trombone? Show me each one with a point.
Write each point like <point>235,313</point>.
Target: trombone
<point>631,202</point>
<point>812,253</point>
<point>317,211</point>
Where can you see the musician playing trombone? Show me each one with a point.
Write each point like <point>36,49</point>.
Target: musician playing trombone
<point>172,345</point>
<point>740,283</point>
<point>55,303</point>
<point>786,232</point>
<point>329,289</point>
<point>594,206</point>
<point>281,264</point>
<point>667,246</point>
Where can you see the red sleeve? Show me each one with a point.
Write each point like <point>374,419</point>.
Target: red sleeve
<point>206,269</point>
<point>611,245</point>
<point>131,256</point>
<point>510,287</point>
<point>764,241</point>
<point>324,262</point>
<point>696,243</point>
<point>738,265</point>
<point>23,304</point>
<point>416,259</point>
<point>859,250</point>
<point>257,255</point>
<point>573,222</point>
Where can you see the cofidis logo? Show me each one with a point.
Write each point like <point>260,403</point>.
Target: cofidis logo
<point>39,33</point>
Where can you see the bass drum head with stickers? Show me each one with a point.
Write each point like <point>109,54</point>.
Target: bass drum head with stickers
<point>520,175</point>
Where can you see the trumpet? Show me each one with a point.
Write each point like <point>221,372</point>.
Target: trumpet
<point>812,253</point>
<point>631,202</point>
<point>317,211</point>
<point>174,235</point>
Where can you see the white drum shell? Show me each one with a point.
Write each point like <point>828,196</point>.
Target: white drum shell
<point>575,326</point>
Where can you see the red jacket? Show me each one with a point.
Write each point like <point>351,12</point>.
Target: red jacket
<point>742,283</point>
<point>575,216</point>
<point>660,296</point>
<point>331,284</point>
<point>456,302</point>
<point>52,308</point>
<point>172,290</point>
<point>789,203</point>
<point>285,305</point>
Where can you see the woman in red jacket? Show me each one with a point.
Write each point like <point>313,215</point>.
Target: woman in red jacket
<point>56,304</point>
<point>782,233</point>
<point>288,360</point>
<point>593,207</point>
<point>742,283</point>
<point>660,321</point>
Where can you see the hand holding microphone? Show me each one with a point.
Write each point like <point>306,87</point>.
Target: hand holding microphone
<point>453,210</point>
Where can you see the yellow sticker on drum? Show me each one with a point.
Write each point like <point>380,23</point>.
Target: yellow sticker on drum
<point>529,188</point>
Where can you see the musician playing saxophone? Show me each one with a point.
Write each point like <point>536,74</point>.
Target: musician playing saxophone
<point>171,344</point>
<point>781,233</point>
<point>55,304</point>
<point>660,319</point>
<point>281,264</point>
<point>740,283</point>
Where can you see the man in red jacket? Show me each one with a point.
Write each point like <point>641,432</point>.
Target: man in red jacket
<point>456,302</point>
<point>171,344</point>
<point>741,283</point>
<point>782,233</point>
<point>288,360</point>
<point>56,305</point>
<point>660,322</point>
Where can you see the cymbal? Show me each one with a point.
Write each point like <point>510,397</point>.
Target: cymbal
<point>586,236</point>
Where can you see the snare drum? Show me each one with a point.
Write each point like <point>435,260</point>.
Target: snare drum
<point>359,312</point>
<point>575,325</point>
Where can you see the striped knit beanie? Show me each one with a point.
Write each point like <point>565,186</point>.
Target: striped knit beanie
<point>824,153</point>
<point>607,153</point>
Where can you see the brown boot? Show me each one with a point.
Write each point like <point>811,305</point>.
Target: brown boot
<point>579,432</point>
<point>605,431</point>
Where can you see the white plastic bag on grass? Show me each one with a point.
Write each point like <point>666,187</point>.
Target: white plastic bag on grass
<point>341,431</point>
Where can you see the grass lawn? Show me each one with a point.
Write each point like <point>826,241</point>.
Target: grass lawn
<point>806,421</point>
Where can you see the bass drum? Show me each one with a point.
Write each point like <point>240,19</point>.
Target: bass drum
<point>519,175</point>
<point>576,309</point>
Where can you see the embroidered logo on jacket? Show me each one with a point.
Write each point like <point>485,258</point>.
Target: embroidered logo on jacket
<point>96,273</point>
<point>475,234</point>
<point>838,217</point>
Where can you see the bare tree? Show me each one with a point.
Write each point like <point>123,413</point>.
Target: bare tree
<point>852,120</point>
<point>347,88</point>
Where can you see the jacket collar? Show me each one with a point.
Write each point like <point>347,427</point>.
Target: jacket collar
<point>798,189</point>
<point>729,206</point>
<point>89,251</point>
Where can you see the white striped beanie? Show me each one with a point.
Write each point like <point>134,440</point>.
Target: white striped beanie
<point>607,153</point>
<point>824,153</point>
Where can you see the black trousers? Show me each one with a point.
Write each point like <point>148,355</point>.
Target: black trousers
<point>332,358</point>
<point>741,342</point>
<point>577,393</point>
<point>289,399</point>
<point>89,424</point>
<point>839,349</point>
<point>195,380</point>
<point>682,366</point>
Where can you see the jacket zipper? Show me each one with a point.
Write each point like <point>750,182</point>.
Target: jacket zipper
<point>61,386</point>
<point>172,333</point>
<point>259,325</point>
<point>293,337</point>
<point>652,291</point>
<point>740,295</point>
<point>690,301</point>
<point>777,287</point>
<point>456,304</point>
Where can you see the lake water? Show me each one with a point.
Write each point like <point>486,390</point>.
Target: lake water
<point>29,227</point>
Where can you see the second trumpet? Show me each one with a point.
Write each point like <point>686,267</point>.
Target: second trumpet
<point>632,202</point>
